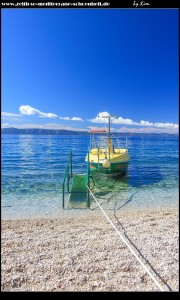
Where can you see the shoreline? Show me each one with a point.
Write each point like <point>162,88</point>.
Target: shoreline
<point>82,252</point>
<point>81,209</point>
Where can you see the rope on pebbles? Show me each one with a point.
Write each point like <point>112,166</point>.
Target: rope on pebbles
<point>127,244</point>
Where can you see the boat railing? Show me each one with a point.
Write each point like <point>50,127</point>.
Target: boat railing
<point>118,144</point>
<point>93,145</point>
<point>103,144</point>
<point>88,181</point>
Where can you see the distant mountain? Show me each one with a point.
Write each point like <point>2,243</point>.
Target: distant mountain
<point>42,131</point>
<point>70,132</point>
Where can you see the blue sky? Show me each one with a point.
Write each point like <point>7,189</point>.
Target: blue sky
<point>64,68</point>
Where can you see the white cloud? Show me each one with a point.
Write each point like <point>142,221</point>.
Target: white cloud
<point>28,110</point>
<point>100,118</point>
<point>14,119</point>
<point>120,120</point>
<point>138,130</point>
<point>76,119</point>
<point>48,115</point>
<point>64,118</point>
<point>4,125</point>
<point>130,122</point>
<point>11,117</point>
<point>147,130</point>
<point>166,125</point>
<point>6,114</point>
<point>72,119</point>
<point>103,114</point>
<point>145,123</point>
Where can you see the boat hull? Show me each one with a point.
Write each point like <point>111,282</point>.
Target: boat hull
<point>117,168</point>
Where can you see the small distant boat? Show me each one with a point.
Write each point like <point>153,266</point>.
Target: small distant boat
<point>103,157</point>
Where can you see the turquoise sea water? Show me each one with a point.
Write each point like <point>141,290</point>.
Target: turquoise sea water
<point>33,166</point>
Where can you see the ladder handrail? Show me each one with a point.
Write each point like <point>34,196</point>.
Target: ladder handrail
<point>88,181</point>
<point>67,175</point>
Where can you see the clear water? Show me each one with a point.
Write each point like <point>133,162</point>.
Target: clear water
<point>33,168</point>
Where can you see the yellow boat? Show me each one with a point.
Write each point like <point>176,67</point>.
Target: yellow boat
<point>104,157</point>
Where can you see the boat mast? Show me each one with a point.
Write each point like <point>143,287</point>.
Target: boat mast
<point>109,117</point>
<point>109,130</point>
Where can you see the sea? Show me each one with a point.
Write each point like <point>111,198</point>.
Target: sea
<point>33,169</point>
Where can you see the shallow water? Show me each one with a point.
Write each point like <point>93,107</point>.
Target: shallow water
<point>33,168</point>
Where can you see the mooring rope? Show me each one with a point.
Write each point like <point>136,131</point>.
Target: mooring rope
<point>127,244</point>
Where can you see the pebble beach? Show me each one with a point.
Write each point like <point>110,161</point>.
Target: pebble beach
<point>83,252</point>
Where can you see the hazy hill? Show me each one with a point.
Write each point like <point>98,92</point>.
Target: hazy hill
<point>42,131</point>
<point>69,132</point>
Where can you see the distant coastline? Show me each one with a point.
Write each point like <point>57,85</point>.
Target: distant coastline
<point>38,131</point>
